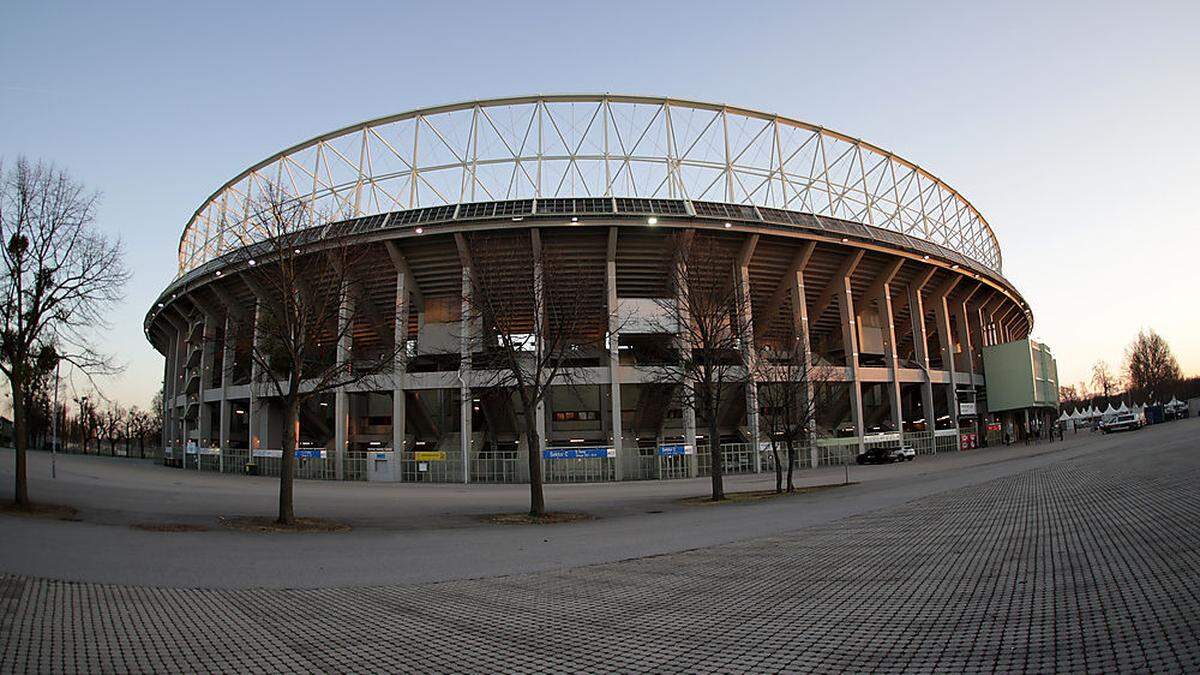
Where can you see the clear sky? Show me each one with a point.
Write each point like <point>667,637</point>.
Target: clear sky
<point>1074,127</point>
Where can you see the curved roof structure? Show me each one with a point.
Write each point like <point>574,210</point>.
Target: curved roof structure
<point>593,145</point>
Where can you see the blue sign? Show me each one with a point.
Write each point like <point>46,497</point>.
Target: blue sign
<point>578,453</point>
<point>674,450</point>
<point>310,454</point>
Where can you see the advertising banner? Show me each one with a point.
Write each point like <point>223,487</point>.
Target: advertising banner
<point>578,453</point>
<point>277,454</point>
<point>675,450</point>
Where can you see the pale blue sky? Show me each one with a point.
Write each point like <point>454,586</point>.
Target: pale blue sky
<point>1074,127</point>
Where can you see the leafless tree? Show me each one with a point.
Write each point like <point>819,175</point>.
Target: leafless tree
<point>87,421</point>
<point>60,277</point>
<point>528,318</point>
<point>305,315</point>
<point>790,389</point>
<point>112,424</point>
<point>140,425</point>
<point>1103,378</point>
<point>1068,395</point>
<point>157,407</point>
<point>706,310</point>
<point>1150,366</point>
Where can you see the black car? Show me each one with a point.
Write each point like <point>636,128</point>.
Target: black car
<point>879,456</point>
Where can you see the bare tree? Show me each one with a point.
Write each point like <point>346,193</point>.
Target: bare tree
<point>141,424</point>
<point>128,424</point>
<point>790,386</point>
<point>1150,366</point>
<point>526,323</point>
<point>305,316</point>
<point>87,421</point>
<point>60,277</point>
<point>157,407</point>
<point>1103,378</point>
<point>705,308</point>
<point>112,423</point>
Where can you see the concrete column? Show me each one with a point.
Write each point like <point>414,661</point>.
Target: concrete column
<point>742,272</point>
<point>227,355</point>
<point>850,347</point>
<point>172,352</point>
<point>688,409</point>
<point>257,414</point>
<point>801,335</point>
<point>540,413</point>
<point>614,357</point>
<point>916,312</point>
<point>341,398</point>
<point>941,311</point>
<point>888,325</point>
<point>464,375</point>
<point>978,341</point>
<point>400,365</point>
<point>208,338</point>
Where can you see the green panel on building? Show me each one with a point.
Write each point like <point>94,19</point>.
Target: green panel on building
<point>1020,374</point>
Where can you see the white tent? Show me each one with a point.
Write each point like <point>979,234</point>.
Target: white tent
<point>1078,414</point>
<point>1175,403</point>
<point>1110,411</point>
<point>1123,409</point>
<point>1064,417</point>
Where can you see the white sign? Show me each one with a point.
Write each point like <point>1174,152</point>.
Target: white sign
<point>966,407</point>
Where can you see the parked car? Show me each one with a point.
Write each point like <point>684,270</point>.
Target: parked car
<point>1123,422</point>
<point>879,456</point>
<point>908,453</point>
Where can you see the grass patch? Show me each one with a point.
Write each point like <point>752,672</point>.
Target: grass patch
<point>752,496</point>
<point>267,524</point>
<point>170,527</point>
<point>552,518</point>
<point>52,511</point>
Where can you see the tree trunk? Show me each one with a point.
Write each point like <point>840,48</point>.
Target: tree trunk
<point>714,452</point>
<point>287,462</point>
<point>778,466</point>
<point>537,499</point>
<point>791,460</point>
<point>21,488</point>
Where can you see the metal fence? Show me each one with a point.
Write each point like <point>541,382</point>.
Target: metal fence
<point>579,470</point>
<point>920,441</point>
<point>803,452</point>
<point>836,451</point>
<point>427,464</point>
<point>736,458</point>
<point>497,466</point>
<point>945,440</point>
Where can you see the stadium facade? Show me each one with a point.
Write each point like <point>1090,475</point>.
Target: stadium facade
<point>887,275</point>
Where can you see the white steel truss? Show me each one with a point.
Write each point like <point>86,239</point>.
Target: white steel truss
<point>598,145</point>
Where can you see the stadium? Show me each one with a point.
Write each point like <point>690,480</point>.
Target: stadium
<point>886,274</point>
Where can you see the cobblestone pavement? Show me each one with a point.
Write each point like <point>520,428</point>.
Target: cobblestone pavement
<point>1088,564</point>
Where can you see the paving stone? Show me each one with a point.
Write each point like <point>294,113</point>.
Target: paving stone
<point>1082,565</point>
